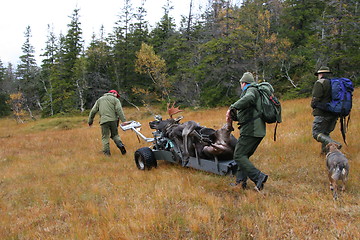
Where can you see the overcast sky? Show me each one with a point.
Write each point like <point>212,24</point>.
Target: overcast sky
<point>16,15</point>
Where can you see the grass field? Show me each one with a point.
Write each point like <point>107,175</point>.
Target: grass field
<point>55,184</point>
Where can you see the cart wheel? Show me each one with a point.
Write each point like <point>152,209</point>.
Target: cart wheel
<point>145,159</point>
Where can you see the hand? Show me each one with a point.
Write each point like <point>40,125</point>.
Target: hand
<point>228,117</point>
<point>125,123</point>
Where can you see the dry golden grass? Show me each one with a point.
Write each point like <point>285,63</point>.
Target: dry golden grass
<point>55,184</point>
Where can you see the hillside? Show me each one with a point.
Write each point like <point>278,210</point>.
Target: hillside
<point>55,184</point>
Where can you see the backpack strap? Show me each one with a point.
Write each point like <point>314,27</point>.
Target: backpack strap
<point>344,125</point>
<point>276,125</point>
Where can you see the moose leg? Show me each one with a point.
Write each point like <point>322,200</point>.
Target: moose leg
<point>190,126</point>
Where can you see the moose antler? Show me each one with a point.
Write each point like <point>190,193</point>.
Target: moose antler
<point>173,110</point>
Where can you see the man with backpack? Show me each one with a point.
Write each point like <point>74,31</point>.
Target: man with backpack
<point>110,110</point>
<point>252,131</point>
<point>324,121</point>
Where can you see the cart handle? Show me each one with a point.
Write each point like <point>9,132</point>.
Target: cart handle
<point>133,125</point>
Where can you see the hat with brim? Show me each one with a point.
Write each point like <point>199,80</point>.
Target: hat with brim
<point>323,70</point>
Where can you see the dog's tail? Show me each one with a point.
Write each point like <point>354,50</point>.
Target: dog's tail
<point>339,172</point>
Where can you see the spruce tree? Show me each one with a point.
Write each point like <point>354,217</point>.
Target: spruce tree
<point>47,72</point>
<point>64,83</point>
<point>98,68</point>
<point>28,75</point>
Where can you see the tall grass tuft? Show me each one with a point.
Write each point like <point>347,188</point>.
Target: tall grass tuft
<point>56,184</point>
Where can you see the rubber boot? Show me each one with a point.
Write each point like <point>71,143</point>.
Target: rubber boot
<point>261,179</point>
<point>107,153</point>
<point>122,148</point>
<point>243,183</point>
<point>325,140</point>
<point>241,179</point>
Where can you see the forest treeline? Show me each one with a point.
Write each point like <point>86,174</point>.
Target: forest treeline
<point>197,63</point>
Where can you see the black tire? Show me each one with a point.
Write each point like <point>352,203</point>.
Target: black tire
<point>145,159</point>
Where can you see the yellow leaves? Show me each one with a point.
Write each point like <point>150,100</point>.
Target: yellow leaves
<point>16,102</point>
<point>148,62</point>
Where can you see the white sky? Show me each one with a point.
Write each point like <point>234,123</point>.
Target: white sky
<point>16,15</point>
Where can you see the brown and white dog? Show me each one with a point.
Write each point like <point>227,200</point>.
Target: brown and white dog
<point>338,167</point>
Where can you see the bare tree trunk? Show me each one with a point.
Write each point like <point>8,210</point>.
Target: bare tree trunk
<point>49,94</point>
<point>30,112</point>
<point>39,104</point>
<point>189,22</point>
<point>81,96</point>
<point>286,70</point>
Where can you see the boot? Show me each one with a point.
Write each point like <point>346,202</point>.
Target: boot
<point>261,179</point>
<point>122,148</point>
<point>243,184</point>
<point>325,140</point>
<point>107,153</point>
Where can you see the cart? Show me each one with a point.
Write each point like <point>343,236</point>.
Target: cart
<point>163,148</point>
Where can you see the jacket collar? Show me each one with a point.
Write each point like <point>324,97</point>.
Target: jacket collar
<point>246,86</point>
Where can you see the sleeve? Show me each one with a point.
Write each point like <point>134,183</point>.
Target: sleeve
<point>247,100</point>
<point>119,111</point>
<point>317,94</point>
<point>92,113</point>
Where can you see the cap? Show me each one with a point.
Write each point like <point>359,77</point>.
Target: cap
<point>115,92</point>
<point>247,78</point>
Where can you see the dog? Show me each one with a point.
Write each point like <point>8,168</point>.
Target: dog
<point>338,167</point>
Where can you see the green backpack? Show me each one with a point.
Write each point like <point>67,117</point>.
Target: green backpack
<point>270,111</point>
<point>270,105</point>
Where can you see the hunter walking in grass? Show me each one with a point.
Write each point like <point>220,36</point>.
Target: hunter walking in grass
<point>110,110</point>
<point>324,121</point>
<point>252,131</point>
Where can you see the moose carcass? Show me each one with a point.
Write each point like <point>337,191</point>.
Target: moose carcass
<point>195,140</point>
<point>188,144</point>
<point>184,135</point>
<point>222,143</point>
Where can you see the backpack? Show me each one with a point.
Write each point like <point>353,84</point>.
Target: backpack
<point>341,102</point>
<point>270,105</point>
<point>341,96</point>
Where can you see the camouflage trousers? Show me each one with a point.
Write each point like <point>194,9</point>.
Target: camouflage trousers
<point>110,130</point>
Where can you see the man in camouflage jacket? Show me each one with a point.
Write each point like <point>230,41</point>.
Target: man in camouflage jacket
<point>110,110</point>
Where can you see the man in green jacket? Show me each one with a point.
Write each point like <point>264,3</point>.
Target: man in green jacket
<point>110,110</point>
<point>324,122</point>
<point>252,131</point>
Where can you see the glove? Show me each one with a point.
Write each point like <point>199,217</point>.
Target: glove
<point>233,114</point>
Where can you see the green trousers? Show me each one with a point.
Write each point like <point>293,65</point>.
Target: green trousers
<point>244,149</point>
<point>110,130</point>
<point>323,125</point>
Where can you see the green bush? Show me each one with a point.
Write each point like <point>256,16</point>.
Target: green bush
<point>5,109</point>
